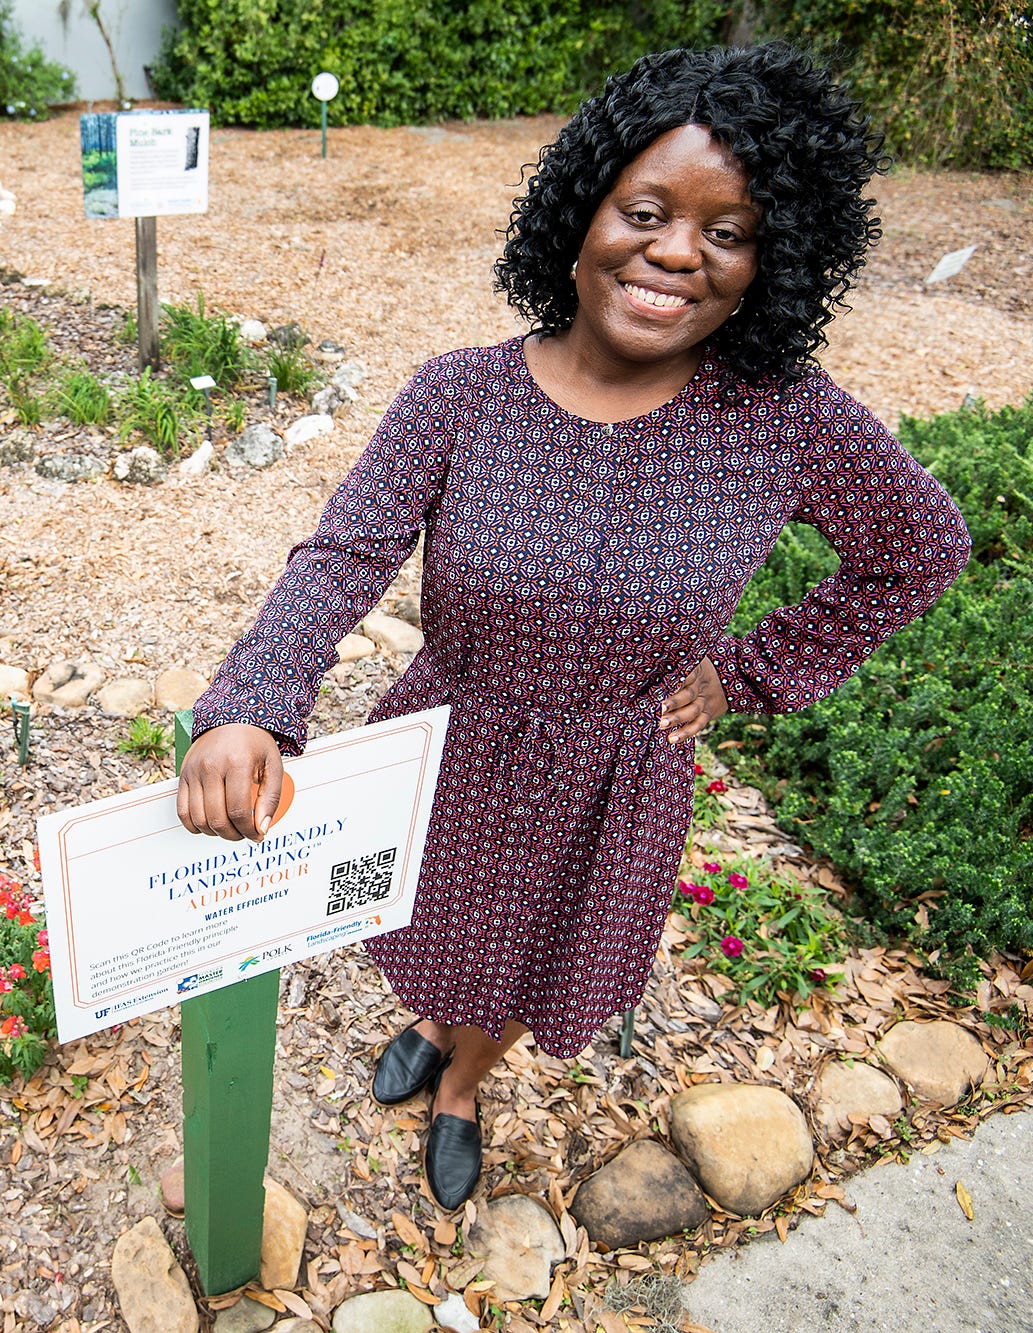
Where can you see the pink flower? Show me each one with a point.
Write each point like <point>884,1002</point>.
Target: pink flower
<point>13,1026</point>
<point>738,881</point>
<point>43,939</point>
<point>819,975</point>
<point>16,972</point>
<point>703,894</point>
<point>732,946</point>
<point>717,785</point>
<point>684,888</point>
<point>712,867</point>
<point>698,770</point>
<point>6,986</point>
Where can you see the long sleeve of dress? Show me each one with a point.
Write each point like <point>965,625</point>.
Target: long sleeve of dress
<point>901,542</point>
<point>369,527</point>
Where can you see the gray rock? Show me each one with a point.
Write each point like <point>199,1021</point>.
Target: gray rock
<point>68,684</point>
<point>408,609</point>
<point>143,466</point>
<point>644,1193</point>
<point>125,696</point>
<point>257,446</point>
<point>847,1089</point>
<point>152,1288</point>
<point>297,1325</point>
<point>253,331</point>
<point>454,1313</point>
<point>940,1061</point>
<point>383,1312</point>
<point>247,1316</point>
<point>31,1305</point>
<point>70,467</point>
<point>308,428</point>
<point>347,378</point>
<point>520,1243</point>
<point>18,447</point>
<point>199,461</point>
<point>746,1145</point>
<point>289,335</point>
<point>326,401</point>
<point>392,634</point>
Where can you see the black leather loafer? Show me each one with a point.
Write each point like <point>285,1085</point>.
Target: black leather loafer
<point>453,1159</point>
<point>407,1065</point>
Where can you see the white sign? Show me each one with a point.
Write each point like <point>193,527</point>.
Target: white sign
<point>951,264</point>
<point>144,163</point>
<point>142,914</point>
<point>325,86</point>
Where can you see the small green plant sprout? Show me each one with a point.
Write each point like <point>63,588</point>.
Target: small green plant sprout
<point>80,397</point>
<point>151,409</point>
<point>291,368</point>
<point>128,333</point>
<point>233,415</point>
<point>199,344</point>
<point>777,939</point>
<point>146,739</point>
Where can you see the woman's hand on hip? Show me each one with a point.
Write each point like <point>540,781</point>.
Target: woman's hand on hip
<point>697,701</point>
<point>217,783</point>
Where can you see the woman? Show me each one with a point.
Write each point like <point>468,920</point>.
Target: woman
<point>595,497</point>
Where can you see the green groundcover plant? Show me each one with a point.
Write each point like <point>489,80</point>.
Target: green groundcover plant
<point>27,1023</point>
<point>916,777</point>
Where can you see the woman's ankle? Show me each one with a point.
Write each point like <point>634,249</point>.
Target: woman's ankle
<point>438,1034</point>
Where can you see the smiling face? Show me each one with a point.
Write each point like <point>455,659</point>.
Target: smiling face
<point>668,255</point>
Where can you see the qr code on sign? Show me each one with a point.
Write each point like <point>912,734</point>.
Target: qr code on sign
<point>360,883</point>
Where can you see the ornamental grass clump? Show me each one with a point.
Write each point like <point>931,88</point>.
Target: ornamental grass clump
<point>776,938</point>
<point>27,1022</point>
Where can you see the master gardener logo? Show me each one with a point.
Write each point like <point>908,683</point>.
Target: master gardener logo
<point>195,979</point>
<point>248,962</point>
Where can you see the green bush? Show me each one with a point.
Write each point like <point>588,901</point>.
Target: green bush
<point>916,777</point>
<point>28,81</point>
<point>199,344</point>
<point>949,81</point>
<point>252,61</point>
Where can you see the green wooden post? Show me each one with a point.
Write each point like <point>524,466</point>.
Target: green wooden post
<point>229,1040</point>
<point>627,1033</point>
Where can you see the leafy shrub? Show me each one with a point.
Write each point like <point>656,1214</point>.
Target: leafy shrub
<point>950,81</point>
<point>915,777</point>
<point>28,81</point>
<point>27,1023</point>
<point>252,61</point>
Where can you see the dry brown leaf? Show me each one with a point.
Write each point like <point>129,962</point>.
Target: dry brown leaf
<point>637,1263</point>
<point>553,1300</point>
<point>965,1200</point>
<point>265,1298</point>
<point>16,1152</point>
<point>409,1232</point>
<point>410,1274</point>
<point>782,1227</point>
<point>422,1294</point>
<point>293,1302</point>
<point>445,1233</point>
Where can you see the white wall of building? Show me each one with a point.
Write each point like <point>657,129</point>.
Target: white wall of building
<point>134,26</point>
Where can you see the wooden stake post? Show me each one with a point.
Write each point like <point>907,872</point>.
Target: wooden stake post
<point>229,1040</point>
<point>147,292</point>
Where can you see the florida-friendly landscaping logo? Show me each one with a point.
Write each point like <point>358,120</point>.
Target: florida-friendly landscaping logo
<point>249,962</point>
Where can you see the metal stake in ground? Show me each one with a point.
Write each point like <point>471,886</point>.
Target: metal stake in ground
<point>229,1040</point>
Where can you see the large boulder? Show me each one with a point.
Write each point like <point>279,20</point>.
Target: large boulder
<point>940,1061</point>
<point>642,1194</point>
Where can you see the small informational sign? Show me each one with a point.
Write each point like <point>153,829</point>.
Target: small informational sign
<point>142,914</point>
<point>951,264</point>
<point>325,87</point>
<point>144,163</point>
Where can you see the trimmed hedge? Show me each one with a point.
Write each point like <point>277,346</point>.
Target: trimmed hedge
<point>916,777</point>
<point>252,61</point>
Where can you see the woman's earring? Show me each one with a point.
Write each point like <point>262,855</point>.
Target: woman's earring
<point>573,271</point>
<point>742,302</point>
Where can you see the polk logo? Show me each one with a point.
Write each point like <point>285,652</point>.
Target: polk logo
<point>281,951</point>
<point>248,962</point>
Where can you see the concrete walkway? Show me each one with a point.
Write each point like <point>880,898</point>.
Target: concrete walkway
<point>908,1261</point>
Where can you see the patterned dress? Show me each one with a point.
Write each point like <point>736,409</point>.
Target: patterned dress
<point>573,573</point>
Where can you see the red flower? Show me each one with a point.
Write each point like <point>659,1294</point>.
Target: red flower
<point>717,785</point>
<point>43,939</point>
<point>819,975</point>
<point>5,986</point>
<point>698,770</point>
<point>684,888</point>
<point>16,972</point>
<point>41,960</point>
<point>13,1026</point>
<point>732,946</point>
<point>703,894</point>
<point>712,867</point>
<point>738,881</point>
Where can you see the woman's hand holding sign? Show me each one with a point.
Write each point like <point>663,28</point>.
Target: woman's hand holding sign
<point>231,783</point>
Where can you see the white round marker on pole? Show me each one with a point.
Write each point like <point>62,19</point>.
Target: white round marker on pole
<point>324,87</point>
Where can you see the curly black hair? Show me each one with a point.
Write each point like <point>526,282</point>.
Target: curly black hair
<point>806,147</point>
